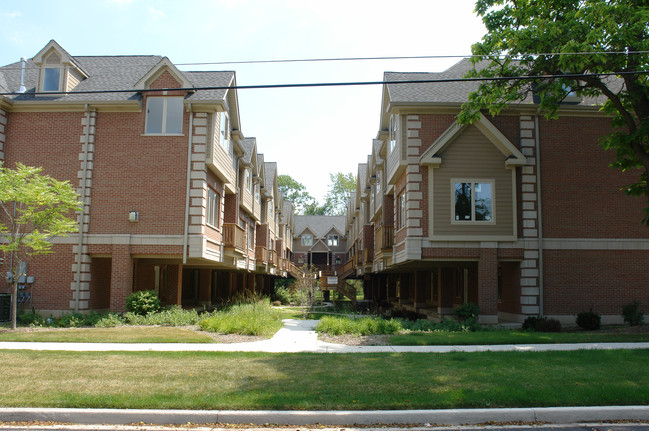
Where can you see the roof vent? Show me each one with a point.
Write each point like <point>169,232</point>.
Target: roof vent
<point>22,88</point>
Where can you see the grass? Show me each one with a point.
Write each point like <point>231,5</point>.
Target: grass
<point>513,337</point>
<point>258,381</point>
<point>121,334</point>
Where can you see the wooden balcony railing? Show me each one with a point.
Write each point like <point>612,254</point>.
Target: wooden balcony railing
<point>261,254</point>
<point>272,258</point>
<point>385,237</point>
<point>234,237</point>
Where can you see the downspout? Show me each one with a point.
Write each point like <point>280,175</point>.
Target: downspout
<point>189,179</point>
<point>84,178</point>
<point>539,216</point>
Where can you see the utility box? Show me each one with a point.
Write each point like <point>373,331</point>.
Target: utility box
<point>5,307</point>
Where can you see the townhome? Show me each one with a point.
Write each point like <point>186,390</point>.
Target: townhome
<point>518,214</point>
<point>172,190</point>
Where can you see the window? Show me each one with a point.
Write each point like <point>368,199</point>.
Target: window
<point>247,178</point>
<point>257,193</point>
<point>213,207</point>
<point>332,240</point>
<point>251,238</point>
<point>51,79</point>
<point>378,185</point>
<point>393,131</point>
<point>164,115</point>
<point>472,201</point>
<point>307,239</point>
<point>225,131</point>
<point>401,210</point>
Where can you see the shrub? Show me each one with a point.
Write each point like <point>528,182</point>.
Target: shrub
<point>547,325</point>
<point>589,320</point>
<point>336,325</point>
<point>29,318</point>
<point>143,302</point>
<point>282,295</point>
<point>467,311</point>
<point>110,320</point>
<point>529,324</point>
<point>632,314</point>
<point>246,319</point>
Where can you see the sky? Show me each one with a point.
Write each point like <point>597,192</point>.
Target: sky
<point>309,132</point>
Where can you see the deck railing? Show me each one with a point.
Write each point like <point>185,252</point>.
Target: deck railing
<point>385,237</point>
<point>234,237</point>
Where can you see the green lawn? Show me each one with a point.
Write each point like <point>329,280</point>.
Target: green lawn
<point>319,382</point>
<point>513,337</point>
<point>121,334</point>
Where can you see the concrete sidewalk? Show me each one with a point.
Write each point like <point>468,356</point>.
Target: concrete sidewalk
<point>300,336</point>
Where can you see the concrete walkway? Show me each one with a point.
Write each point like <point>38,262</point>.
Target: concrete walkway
<point>300,336</point>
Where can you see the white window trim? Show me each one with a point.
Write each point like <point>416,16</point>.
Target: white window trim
<point>164,117</point>
<point>330,241</point>
<point>304,237</point>
<point>224,132</point>
<point>392,140</point>
<point>401,218</point>
<point>473,181</point>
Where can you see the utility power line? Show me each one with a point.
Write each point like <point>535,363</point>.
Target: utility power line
<point>343,59</point>
<point>334,84</point>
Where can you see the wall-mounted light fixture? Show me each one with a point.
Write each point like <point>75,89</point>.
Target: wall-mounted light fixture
<point>134,216</point>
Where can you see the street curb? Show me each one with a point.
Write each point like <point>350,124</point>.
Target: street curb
<point>552,415</point>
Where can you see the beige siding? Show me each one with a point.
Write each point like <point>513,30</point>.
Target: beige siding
<point>472,156</point>
<point>397,158</point>
<point>219,160</point>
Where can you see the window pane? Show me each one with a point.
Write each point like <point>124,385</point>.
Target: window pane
<point>51,79</point>
<point>483,207</point>
<point>174,123</point>
<point>463,201</point>
<point>154,109</point>
<point>224,129</point>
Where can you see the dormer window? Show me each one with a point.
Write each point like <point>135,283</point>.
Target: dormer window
<point>52,79</point>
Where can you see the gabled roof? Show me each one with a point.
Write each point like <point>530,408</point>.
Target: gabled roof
<point>513,157</point>
<point>162,66</point>
<point>249,146</point>
<point>320,226</point>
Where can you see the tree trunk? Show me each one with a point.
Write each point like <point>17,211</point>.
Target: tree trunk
<point>14,303</point>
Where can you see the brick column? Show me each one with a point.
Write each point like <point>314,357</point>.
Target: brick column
<point>81,279</point>
<point>121,277</point>
<point>488,285</point>
<point>530,264</point>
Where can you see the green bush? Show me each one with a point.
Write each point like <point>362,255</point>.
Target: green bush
<point>29,318</point>
<point>589,320</point>
<point>632,314</point>
<point>547,325</point>
<point>282,295</point>
<point>336,325</point>
<point>529,324</point>
<point>173,316</point>
<point>467,311</point>
<point>258,318</point>
<point>143,302</point>
<point>110,320</point>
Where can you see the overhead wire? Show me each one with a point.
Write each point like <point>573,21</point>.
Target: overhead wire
<point>333,84</point>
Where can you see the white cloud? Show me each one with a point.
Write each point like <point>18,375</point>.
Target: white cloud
<point>156,14</point>
<point>12,15</point>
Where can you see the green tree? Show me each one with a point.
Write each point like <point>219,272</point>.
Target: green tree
<point>576,43</point>
<point>295,192</point>
<point>35,208</point>
<point>340,189</point>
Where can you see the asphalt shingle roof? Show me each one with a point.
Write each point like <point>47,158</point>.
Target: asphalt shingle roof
<point>319,225</point>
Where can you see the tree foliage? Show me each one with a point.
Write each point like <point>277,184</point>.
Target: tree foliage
<point>295,192</point>
<point>340,188</point>
<point>35,208</point>
<point>594,48</point>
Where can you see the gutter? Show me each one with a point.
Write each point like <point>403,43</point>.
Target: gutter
<point>189,180</point>
<point>84,178</point>
<point>539,217</point>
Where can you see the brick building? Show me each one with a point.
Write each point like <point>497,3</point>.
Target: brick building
<point>175,198</point>
<point>516,213</point>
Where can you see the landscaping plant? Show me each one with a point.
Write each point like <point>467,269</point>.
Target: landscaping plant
<point>143,302</point>
<point>589,320</point>
<point>632,314</point>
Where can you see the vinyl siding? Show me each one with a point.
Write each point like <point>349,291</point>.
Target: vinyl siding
<point>472,156</point>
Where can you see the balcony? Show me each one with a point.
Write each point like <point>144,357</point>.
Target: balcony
<point>385,238</point>
<point>273,258</point>
<point>261,254</point>
<point>234,237</point>
<point>368,256</point>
